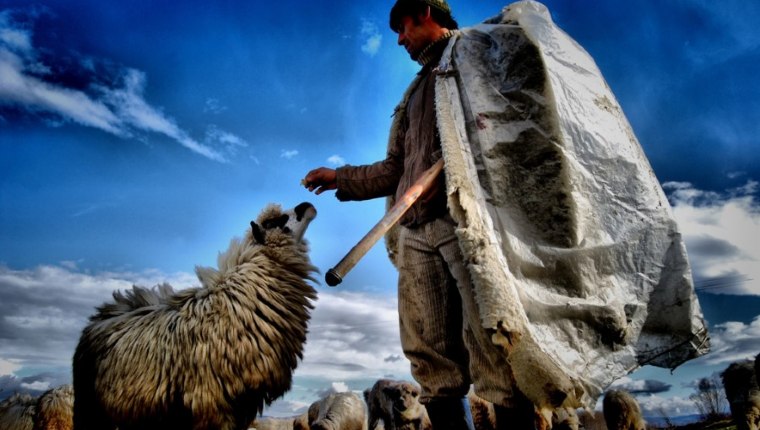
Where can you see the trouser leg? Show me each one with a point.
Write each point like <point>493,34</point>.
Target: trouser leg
<point>520,415</point>
<point>441,331</point>
<point>450,413</point>
<point>430,318</point>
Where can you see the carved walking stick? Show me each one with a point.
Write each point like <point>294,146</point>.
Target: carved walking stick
<point>335,275</point>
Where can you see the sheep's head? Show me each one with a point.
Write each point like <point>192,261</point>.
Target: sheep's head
<point>404,398</point>
<point>273,223</point>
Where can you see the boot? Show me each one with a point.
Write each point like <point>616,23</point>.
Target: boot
<point>450,413</point>
<point>519,417</point>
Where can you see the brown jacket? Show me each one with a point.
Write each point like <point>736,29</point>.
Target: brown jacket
<point>415,148</point>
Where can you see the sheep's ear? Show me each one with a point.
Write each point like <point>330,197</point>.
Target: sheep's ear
<point>258,232</point>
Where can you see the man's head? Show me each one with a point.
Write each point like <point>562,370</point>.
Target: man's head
<point>420,22</point>
<point>440,12</point>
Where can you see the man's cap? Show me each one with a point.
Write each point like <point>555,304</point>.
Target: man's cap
<point>401,5</point>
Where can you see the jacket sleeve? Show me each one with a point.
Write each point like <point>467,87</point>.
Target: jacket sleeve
<point>369,181</point>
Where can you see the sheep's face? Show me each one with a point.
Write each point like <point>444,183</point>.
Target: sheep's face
<point>274,222</point>
<point>404,400</point>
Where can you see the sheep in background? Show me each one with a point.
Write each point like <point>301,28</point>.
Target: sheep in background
<point>301,422</point>
<point>752,412</point>
<point>565,419</point>
<point>622,411</point>
<point>55,409</point>
<point>591,420</point>
<point>396,404</point>
<point>277,423</point>
<point>743,394</point>
<point>204,357</point>
<point>17,412</point>
<point>338,411</point>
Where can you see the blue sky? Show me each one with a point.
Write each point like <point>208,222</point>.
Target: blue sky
<point>137,138</point>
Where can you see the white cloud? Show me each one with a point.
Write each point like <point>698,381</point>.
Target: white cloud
<point>336,160</point>
<point>721,232</point>
<point>230,142</point>
<point>286,408</point>
<point>36,386</point>
<point>733,341</point>
<point>119,110</point>
<point>288,153</point>
<point>214,106</point>
<point>640,385</point>
<point>16,39</point>
<point>371,37</point>
<point>7,367</point>
<point>351,335</point>
<point>656,406</point>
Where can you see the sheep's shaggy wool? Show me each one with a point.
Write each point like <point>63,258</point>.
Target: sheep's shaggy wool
<point>299,422</point>
<point>622,411</point>
<point>55,409</point>
<point>338,411</point>
<point>743,394</point>
<point>17,412</point>
<point>205,357</point>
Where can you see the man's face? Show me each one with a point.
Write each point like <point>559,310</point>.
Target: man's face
<point>413,36</point>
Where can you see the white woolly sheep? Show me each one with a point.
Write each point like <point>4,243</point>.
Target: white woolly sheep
<point>205,357</point>
<point>396,404</point>
<point>55,409</point>
<point>565,419</point>
<point>743,394</point>
<point>338,411</point>
<point>282,423</point>
<point>622,411</point>
<point>591,420</point>
<point>17,412</point>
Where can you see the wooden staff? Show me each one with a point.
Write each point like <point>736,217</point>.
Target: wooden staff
<point>335,275</point>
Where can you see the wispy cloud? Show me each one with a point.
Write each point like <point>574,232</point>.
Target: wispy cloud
<point>660,407</point>
<point>720,231</point>
<point>214,106</point>
<point>371,37</point>
<point>288,153</point>
<point>119,108</point>
<point>733,341</point>
<point>351,334</point>
<point>230,142</point>
<point>7,366</point>
<point>646,386</point>
<point>336,160</point>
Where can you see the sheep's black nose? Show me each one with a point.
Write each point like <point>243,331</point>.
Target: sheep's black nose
<point>301,209</point>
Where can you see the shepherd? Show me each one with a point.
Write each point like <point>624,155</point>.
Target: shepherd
<point>543,262</point>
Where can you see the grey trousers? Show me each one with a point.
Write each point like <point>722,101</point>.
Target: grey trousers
<point>440,326</point>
